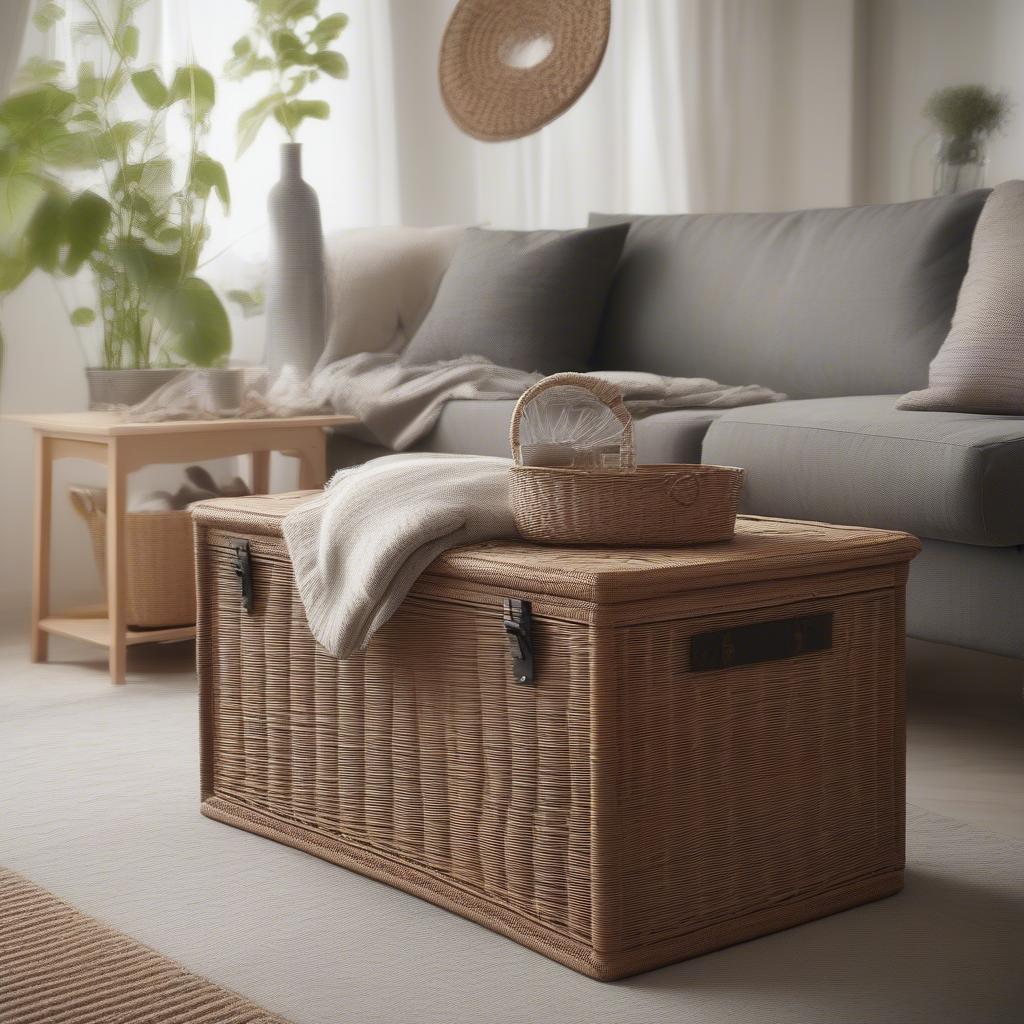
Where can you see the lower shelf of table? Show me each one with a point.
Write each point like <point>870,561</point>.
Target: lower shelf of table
<point>96,630</point>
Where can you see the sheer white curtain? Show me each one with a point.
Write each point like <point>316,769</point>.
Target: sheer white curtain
<point>699,105</point>
<point>13,17</point>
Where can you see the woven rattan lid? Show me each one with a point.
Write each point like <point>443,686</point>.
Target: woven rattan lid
<point>508,67</point>
<point>763,549</point>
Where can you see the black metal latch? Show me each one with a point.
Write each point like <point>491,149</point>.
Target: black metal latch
<point>518,624</point>
<point>243,570</point>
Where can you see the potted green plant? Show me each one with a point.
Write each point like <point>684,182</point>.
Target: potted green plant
<point>290,46</point>
<point>966,117</point>
<point>135,219</point>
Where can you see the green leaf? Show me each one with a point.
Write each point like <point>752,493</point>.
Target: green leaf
<point>328,29</point>
<point>114,83</point>
<point>88,83</point>
<point>196,87</point>
<point>153,179</point>
<point>242,47</point>
<point>120,137</point>
<point>129,41</point>
<point>251,121</point>
<point>47,15</point>
<point>199,322</point>
<point>291,114</point>
<point>85,118</point>
<point>208,174</point>
<point>150,88</point>
<point>331,63</point>
<point>290,10</point>
<point>286,42</point>
<point>252,302</point>
<point>297,84</point>
<point>27,109</point>
<point>37,71</point>
<point>45,234</point>
<point>241,67</point>
<point>20,195</point>
<point>83,316</point>
<point>71,150</point>
<point>88,218</point>
<point>154,272</point>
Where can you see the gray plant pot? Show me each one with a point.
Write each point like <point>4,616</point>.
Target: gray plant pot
<point>123,387</point>
<point>221,388</point>
<point>295,275</point>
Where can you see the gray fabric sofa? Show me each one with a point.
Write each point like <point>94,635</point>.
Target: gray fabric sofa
<point>842,310</point>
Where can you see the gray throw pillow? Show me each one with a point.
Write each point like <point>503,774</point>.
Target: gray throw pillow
<point>531,300</point>
<point>980,367</point>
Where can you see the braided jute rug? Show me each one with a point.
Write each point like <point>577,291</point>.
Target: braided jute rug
<point>58,966</point>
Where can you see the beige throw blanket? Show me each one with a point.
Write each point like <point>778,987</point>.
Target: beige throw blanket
<point>397,403</point>
<point>358,548</point>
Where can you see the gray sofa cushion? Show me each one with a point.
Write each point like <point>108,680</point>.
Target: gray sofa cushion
<point>481,428</point>
<point>942,475</point>
<point>528,299</point>
<point>813,303</point>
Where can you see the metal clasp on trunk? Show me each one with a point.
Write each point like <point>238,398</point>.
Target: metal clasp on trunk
<point>243,570</point>
<point>518,623</point>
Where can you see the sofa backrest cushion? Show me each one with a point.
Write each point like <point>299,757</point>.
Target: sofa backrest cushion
<point>812,302</point>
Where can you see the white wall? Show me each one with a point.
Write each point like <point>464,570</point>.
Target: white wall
<point>917,46</point>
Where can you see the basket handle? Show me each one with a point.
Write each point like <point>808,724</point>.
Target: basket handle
<point>603,390</point>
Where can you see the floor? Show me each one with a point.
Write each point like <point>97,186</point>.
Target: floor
<point>98,802</point>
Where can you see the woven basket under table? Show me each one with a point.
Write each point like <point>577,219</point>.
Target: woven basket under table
<point>712,746</point>
<point>159,568</point>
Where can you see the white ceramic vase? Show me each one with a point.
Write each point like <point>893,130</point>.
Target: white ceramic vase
<point>295,277</point>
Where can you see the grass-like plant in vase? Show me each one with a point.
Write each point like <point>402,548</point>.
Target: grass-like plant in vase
<point>289,47</point>
<point>83,186</point>
<point>966,117</point>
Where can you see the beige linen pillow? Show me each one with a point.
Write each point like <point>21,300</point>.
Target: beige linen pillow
<point>380,285</point>
<point>980,367</point>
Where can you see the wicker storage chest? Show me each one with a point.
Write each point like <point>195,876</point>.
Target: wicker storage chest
<point>708,746</point>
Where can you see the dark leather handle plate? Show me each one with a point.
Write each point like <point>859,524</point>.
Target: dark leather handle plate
<point>762,641</point>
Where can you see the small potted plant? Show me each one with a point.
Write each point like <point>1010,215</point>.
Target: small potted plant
<point>137,226</point>
<point>290,46</point>
<point>966,117</point>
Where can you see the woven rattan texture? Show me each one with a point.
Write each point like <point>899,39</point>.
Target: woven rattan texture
<point>161,586</point>
<point>645,506</point>
<point>58,966</point>
<point>489,97</point>
<point>655,506</point>
<point>625,812</point>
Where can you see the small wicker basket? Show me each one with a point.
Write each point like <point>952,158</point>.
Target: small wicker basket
<point>637,506</point>
<point>160,573</point>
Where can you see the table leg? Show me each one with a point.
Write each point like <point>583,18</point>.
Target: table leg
<point>117,479</point>
<point>39,645</point>
<point>312,456</point>
<point>259,465</point>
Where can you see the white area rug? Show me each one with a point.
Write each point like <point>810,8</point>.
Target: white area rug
<point>99,802</point>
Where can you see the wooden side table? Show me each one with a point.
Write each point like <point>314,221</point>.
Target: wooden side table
<point>125,447</point>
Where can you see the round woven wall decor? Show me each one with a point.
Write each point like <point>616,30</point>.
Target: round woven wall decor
<point>509,67</point>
